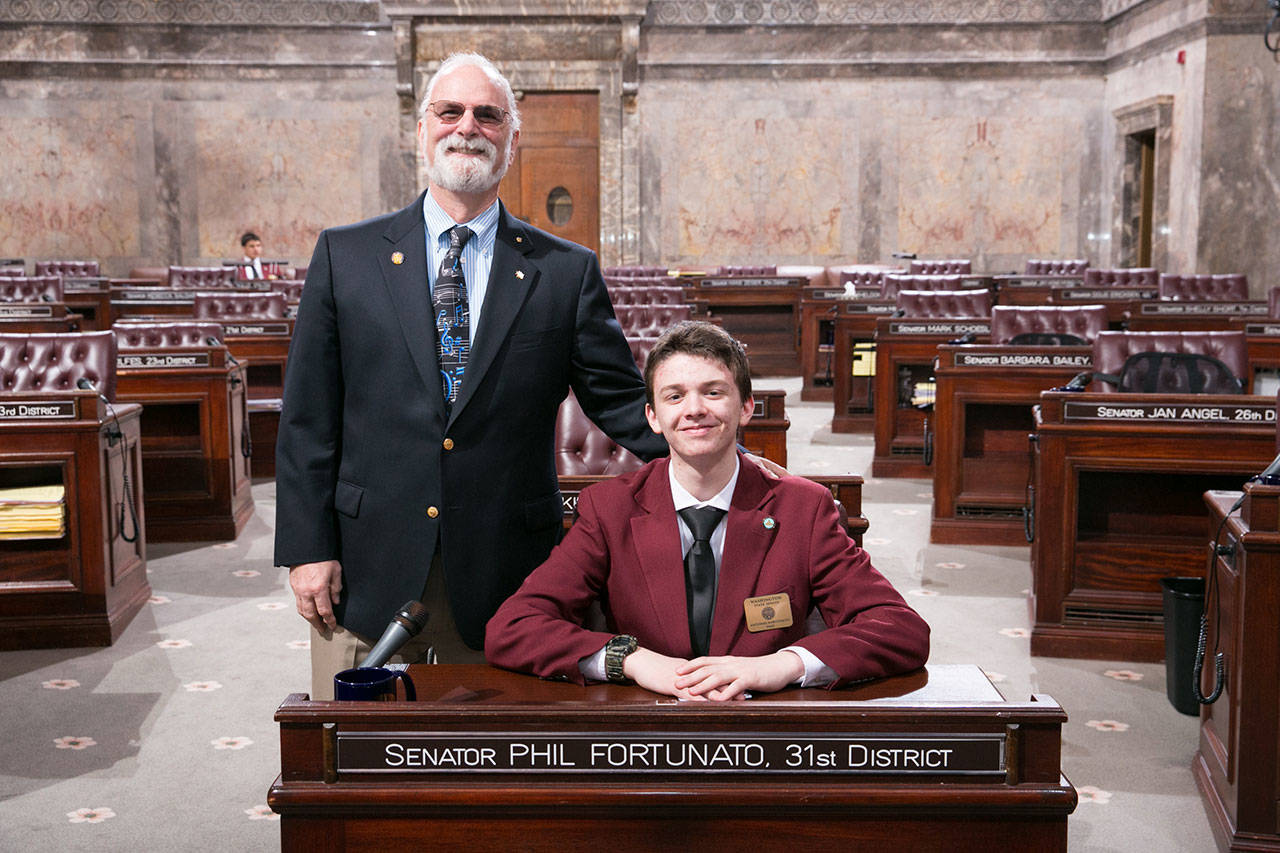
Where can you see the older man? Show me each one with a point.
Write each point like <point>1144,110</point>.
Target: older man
<point>432,349</point>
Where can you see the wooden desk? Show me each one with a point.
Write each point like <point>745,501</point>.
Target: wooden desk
<point>981,423</point>
<point>766,433</point>
<point>161,303</point>
<point>1237,767</point>
<point>264,344</point>
<point>1019,289</point>
<point>853,397</point>
<point>194,441</point>
<point>1159,316</point>
<point>38,317</point>
<point>763,312</point>
<point>845,488</point>
<point>905,351</point>
<point>1119,480</point>
<point>818,365</point>
<point>1120,302</point>
<point>493,760</point>
<point>90,297</point>
<point>84,587</point>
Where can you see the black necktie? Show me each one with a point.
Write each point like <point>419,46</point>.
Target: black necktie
<point>700,574</point>
<point>453,315</point>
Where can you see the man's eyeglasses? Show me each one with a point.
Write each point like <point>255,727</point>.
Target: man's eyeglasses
<point>486,115</point>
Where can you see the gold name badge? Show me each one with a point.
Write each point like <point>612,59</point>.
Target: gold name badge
<point>768,612</point>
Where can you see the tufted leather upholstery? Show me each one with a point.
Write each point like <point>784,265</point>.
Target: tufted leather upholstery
<point>1084,321</point>
<point>646,294</point>
<point>892,283</point>
<point>195,277</point>
<point>634,271</point>
<point>1057,267</point>
<point>945,303</point>
<point>1126,277</point>
<point>291,288</point>
<point>45,288</point>
<point>157,274</point>
<point>813,275</point>
<point>646,321</point>
<point>640,349</point>
<point>70,269</point>
<point>1111,349</point>
<point>581,448</point>
<point>133,336</point>
<point>747,270</point>
<point>8,270</point>
<point>1202,288</point>
<point>240,306</point>
<point>1273,304</point>
<point>52,363</point>
<point>954,266</point>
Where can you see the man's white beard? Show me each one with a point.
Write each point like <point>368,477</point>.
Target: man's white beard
<point>463,173</point>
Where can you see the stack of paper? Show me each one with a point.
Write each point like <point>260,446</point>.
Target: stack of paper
<point>923,394</point>
<point>33,512</point>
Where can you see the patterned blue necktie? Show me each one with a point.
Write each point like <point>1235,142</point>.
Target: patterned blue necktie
<point>453,315</point>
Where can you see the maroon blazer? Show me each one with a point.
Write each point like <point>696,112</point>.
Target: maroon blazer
<point>782,536</point>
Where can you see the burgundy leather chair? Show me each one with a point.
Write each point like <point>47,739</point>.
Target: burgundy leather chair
<point>9,270</point>
<point>68,269</point>
<point>813,275</point>
<point>1124,277</point>
<point>634,271</point>
<point>1273,303</point>
<point>44,288</point>
<point>634,319</point>
<point>1056,267</point>
<point>1112,349</point>
<point>240,306</point>
<point>144,336</point>
<point>892,283</point>
<point>944,303</point>
<point>581,448</point>
<point>159,275</point>
<point>1083,321</point>
<point>54,363</point>
<point>196,277</point>
<point>1204,288</point>
<point>640,349</point>
<point>954,266</point>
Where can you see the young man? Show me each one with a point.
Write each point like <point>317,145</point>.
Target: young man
<point>252,260</point>
<point>677,624</point>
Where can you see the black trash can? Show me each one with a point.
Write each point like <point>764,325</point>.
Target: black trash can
<point>1183,604</point>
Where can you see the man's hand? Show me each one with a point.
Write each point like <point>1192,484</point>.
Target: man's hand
<point>656,672</point>
<point>316,587</point>
<point>771,469</point>
<point>722,678</point>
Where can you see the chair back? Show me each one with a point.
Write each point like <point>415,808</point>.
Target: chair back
<point>1082,321</point>
<point>179,335</point>
<point>47,363</point>
<point>1204,288</point>
<point>944,303</point>
<point>581,448</point>
<point>240,306</point>
<point>1112,351</point>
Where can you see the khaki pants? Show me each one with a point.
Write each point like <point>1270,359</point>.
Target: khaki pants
<point>344,649</point>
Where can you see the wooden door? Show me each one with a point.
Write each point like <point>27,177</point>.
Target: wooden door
<point>554,182</point>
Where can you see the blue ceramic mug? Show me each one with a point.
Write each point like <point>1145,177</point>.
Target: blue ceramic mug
<point>371,684</point>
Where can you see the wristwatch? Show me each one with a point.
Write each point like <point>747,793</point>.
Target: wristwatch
<point>615,652</point>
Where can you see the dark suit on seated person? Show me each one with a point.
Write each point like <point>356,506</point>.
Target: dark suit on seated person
<point>779,551</point>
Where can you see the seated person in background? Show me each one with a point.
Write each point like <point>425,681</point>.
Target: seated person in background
<point>706,609</point>
<point>252,260</point>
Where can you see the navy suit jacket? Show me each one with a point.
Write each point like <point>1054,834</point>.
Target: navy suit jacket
<point>782,536</point>
<point>363,475</point>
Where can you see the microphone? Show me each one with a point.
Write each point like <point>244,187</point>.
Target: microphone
<point>1270,475</point>
<point>405,625</point>
<point>1079,382</point>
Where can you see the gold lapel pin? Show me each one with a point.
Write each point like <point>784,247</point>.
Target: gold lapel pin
<point>519,239</point>
<point>397,258</point>
<point>520,274</point>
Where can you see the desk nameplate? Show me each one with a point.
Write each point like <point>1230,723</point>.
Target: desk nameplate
<point>152,296</point>
<point>868,308</point>
<point>13,312</point>
<point>1022,359</point>
<point>246,329</point>
<point>1268,329</point>
<point>418,753</point>
<point>1203,309</point>
<point>76,284</point>
<point>938,327</point>
<point>41,410</point>
<point>749,282</point>
<point>1107,294</point>
<point>1236,413</point>
<point>1041,281</point>
<point>154,361</point>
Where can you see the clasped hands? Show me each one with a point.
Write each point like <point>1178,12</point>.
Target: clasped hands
<point>712,678</point>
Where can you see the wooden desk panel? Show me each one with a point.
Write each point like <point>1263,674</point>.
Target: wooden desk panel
<point>1120,302</point>
<point>83,588</point>
<point>763,312</point>
<point>766,433</point>
<point>194,441</point>
<point>91,299</point>
<point>982,423</point>
<point>1237,767</point>
<point>326,803</point>
<point>1019,289</point>
<point>1118,506</point>
<point>38,318</point>
<point>853,397</point>
<point>906,348</point>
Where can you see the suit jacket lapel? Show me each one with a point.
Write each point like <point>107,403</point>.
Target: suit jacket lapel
<point>510,278</point>
<point>746,543</point>
<point>657,539</point>
<point>406,283</point>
